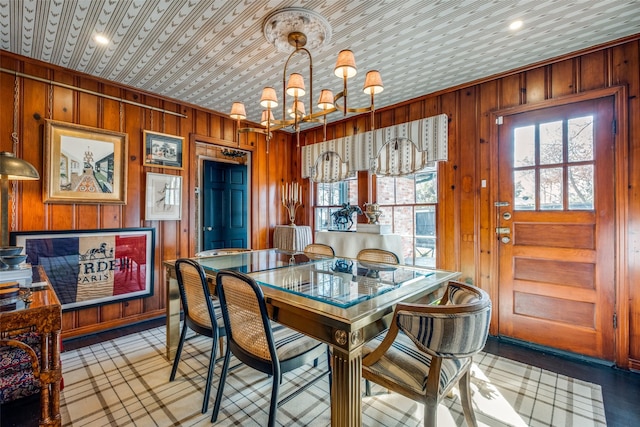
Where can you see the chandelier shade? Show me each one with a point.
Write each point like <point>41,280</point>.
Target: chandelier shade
<point>345,65</point>
<point>238,111</point>
<point>299,28</point>
<point>325,102</point>
<point>269,98</point>
<point>295,87</point>
<point>373,83</point>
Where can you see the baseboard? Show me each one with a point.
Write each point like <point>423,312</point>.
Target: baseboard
<point>554,351</point>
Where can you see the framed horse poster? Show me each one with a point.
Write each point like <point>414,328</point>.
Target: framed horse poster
<point>93,267</point>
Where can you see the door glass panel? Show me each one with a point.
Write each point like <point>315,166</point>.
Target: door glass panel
<point>524,184</point>
<point>524,148</point>
<point>551,143</point>
<point>551,189</point>
<point>580,186</point>
<point>580,139</point>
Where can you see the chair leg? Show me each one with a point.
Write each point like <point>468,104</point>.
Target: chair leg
<point>223,377</point>
<point>465,398</point>
<point>273,407</point>
<point>367,388</point>
<point>207,387</point>
<point>221,346</point>
<point>176,360</point>
<point>430,413</point>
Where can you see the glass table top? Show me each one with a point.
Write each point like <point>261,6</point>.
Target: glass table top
<point>249,262</point>
<point>341,282</point>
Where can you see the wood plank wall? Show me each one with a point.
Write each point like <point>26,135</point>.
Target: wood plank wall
<point>464,229</point>
<point>464,223</point>
<point>38,101</point>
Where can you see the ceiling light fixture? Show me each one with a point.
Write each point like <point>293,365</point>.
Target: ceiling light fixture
<point>101,39</point>
<point>299,27</point>
<point>515,25</point>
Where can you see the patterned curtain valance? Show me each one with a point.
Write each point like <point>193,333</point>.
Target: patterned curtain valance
<point>395,150</point>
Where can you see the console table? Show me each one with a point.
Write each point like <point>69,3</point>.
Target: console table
<point>348,244</point>
<point>43,315</point>
<point>292,238</point>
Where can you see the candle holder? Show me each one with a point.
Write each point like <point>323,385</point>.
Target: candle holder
<point>291,199</point>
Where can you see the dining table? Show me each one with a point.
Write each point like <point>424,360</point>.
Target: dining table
<point>342,302</point>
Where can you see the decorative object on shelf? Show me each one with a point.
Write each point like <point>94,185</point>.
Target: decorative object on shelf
<point>372,212</point>
<point>11,169</point>
<point>164,197</point>
<point>233,154</point>
<point>163,150</point>
<point>84,164</point>
<point>342,218</point>
<point>297,27</point>
<point>291,199</point>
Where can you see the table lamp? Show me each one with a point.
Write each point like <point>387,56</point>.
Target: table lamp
<point>11,168</point>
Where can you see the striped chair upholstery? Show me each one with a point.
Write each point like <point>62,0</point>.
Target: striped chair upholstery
<point>255,340</point>
<point>428,349</point>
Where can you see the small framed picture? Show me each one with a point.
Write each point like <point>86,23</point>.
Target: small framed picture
<point>164,197</point>
<point>162,150</point>
<point>84,164</point>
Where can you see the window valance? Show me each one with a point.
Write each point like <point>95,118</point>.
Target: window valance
<point>394,151</point>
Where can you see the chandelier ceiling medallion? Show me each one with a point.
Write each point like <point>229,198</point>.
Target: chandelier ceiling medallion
<point>301,28</point>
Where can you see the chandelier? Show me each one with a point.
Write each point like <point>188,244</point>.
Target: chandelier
<point>297,28</point>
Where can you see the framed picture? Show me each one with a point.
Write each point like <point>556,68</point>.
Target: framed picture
<point>162,150</point>
<point>84,164</point>
<point>164,197</point>
<point>93,267</point>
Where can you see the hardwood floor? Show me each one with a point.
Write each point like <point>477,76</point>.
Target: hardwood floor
<point>620,388</point>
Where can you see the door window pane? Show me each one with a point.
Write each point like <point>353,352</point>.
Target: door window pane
<point>580,139</point>
<point>581,187</point>
<point>551,143</point>
<point>524,185</point>
<point>524,148</point>
<point>551,189</point>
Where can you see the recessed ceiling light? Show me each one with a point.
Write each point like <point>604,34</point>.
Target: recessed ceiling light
<point>515,25</point>
<point>101,39</point>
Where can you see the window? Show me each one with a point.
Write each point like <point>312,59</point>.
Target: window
<point>553,165</point>
<point>408,204</point>
<point>330,197</point>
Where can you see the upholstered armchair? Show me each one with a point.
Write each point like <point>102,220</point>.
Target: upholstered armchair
<point>429,348</point>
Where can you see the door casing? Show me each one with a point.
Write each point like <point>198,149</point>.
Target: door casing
<point>621,333</point>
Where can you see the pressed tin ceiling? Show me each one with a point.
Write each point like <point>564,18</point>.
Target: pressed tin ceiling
<point>211,53</point>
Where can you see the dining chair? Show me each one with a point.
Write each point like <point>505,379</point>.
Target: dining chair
<point>221,251</point>
<point>429,348</point>
<point>377,255</point>
<point>255,340</point>
<point>201,314</point>
<point>319,249</point>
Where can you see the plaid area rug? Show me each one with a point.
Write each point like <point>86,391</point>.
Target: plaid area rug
<point>125,382</point>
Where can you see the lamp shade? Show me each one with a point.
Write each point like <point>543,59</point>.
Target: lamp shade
<point>13,168</point>
<point>237,111</point>
<point>373,83</point>
<point>298,108</point>
<point>269,98</point>
<point>267,118</point>
<point>345,64</point>
<point>295,86</point>
<point>326,99</point>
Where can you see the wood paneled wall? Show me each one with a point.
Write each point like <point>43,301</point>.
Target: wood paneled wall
<point>40,100</point>
<point>465,211</point>
<point>465,237</point>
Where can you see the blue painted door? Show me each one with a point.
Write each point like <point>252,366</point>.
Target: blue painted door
<point>224,197</point>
